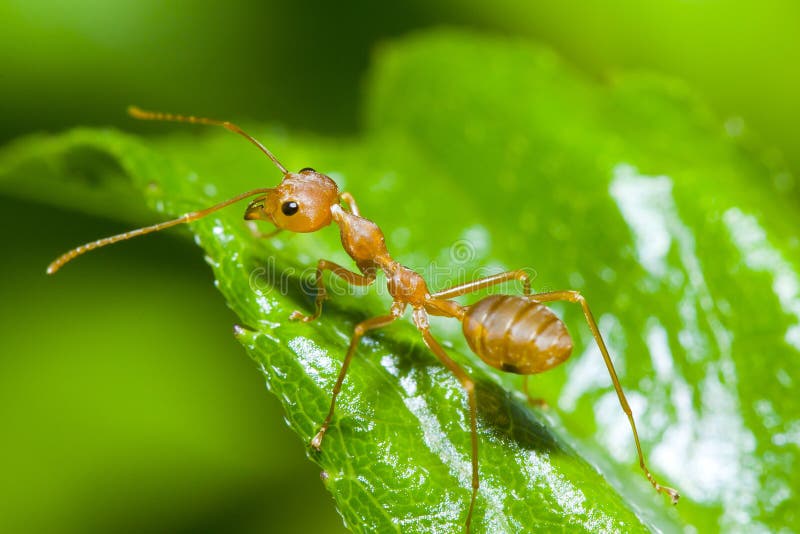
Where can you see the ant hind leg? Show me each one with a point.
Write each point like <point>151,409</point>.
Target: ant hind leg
<point>488,281</point>
<point>533,401</point>
<point>576,297</point>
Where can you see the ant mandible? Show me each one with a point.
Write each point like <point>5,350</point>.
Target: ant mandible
<point>516,334</point>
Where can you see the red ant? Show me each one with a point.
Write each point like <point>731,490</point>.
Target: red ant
<point>516,334</point>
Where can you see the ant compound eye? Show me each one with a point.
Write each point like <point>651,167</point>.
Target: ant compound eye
<point>290,208</point>
<point>307,169</point>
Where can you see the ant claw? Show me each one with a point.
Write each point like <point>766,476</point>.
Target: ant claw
<point>539,403</point>
<point>316,442</point>
<point>673,494</point>
<point>300,316</point>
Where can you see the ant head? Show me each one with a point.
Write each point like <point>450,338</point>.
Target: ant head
<point>300,203</point>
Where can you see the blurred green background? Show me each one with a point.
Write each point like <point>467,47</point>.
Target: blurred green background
<point>101,432</point>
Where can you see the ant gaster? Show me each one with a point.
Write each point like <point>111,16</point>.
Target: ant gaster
<point>516,334</point>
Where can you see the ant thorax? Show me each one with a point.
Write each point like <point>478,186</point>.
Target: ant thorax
<point>362,240</point>
<point>406,285</point>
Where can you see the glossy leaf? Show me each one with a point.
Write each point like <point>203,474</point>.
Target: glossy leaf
<point>482,154</point>
<point>633,193</point>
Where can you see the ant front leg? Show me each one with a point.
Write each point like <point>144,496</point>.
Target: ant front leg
<point>354,279</point>
<point>361,328</point>
<point>258,234</point>
<point>421,322</point>
<point>576,297</point>
<point>489,281</point>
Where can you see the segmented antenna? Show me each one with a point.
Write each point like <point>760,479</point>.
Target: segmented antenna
<point>141,114</point>
<point>185,218</point>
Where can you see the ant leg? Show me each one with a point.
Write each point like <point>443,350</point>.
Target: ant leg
<point>258,234</point>
<point>347,197</point>
<point>421,321</point>
<point>361,328</point>
<point>482,283</point>
<point>576,297</point>
<point>354,279</point>
<point>534,401</point>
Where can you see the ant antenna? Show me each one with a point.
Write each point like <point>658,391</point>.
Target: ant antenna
<point>138,113</point>
<point>185,218</point>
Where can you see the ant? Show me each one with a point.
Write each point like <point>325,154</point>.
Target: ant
<point>516,334</point>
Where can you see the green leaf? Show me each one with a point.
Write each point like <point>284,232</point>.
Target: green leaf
<point>397,456</point>
<point>635,194</point>
<point>482,154</point>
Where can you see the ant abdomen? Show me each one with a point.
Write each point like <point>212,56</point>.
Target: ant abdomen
<point>516,334</point>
